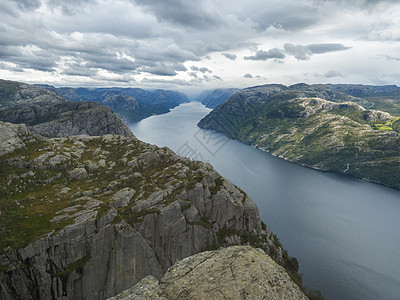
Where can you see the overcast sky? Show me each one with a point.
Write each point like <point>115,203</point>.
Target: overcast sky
<point>196,44</point>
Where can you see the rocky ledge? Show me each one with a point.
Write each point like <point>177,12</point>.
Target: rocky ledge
<point>86,217</point>
<point>237,272</point>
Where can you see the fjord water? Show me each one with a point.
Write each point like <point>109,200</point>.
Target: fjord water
<point>344,231</point>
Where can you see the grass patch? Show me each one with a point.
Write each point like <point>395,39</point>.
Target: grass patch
<point>79,264</point>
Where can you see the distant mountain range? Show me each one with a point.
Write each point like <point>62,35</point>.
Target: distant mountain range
<point>213,98</point>
<point>48,114</point>
<point>328,127</point>
<point>131,104</point>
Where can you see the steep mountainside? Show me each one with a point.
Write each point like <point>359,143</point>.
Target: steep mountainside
<point>237,272</point>
<point>48,114</point>
<point>314,127</point>
<point>131,104</point>
<point>87,217</point>
<point>213,98</point>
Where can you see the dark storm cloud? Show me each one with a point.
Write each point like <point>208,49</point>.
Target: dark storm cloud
<point>325,48</point>
<point>230,56</point>
<point>274,53</point>
<point>186,13</point>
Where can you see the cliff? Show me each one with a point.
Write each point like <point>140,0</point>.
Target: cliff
<point>86,217</point>
<point>14,93</point>
<point>65,119</point>
<point>47,114</point>
<point>315,126</point>
<point>237,272</point>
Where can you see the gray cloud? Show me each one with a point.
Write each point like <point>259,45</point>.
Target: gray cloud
<point>389,57</point>
<point>264,55</point>
<point>230,56</point>
<point>332,73</point>
<point>295,18</point>
<point>126,38</point>
<point>11,68</point>
<point>217,78</point>
<point>28,4</point>
<point>70,7</point>
<point>325,48</point>
<point>300,52</point>
<point>165,70</point>
<point>186,13</point>
<point>248,75</point>
<point>202,69</point>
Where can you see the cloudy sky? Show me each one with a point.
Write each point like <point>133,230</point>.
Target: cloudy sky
<point>198,44</point>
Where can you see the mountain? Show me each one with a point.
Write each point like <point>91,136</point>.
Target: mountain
<point>316,126</point>
<point>86,217</point>
<point>50,115</point>
<point>213,98</point>
<point>14,93</point>
<point>131,104</point>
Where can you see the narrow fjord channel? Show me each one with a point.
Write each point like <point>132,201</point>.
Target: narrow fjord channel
<point>344,231</point>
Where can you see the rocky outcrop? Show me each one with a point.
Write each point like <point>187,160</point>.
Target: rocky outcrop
<point>14,93</point>
<point>50,115</point>
<point>64,119</point>
<point>12,137</point>
<point>237,272</point>
<point>87,217</point>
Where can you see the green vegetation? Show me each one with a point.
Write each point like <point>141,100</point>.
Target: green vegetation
<point>80,263</point>
<point>340,137</point>
<point>136,217</point>
<point>388,125</point>
<point>314,294</point>
<point>219,182</point>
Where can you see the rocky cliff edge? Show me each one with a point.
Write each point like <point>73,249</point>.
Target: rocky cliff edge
<point>86,217</point>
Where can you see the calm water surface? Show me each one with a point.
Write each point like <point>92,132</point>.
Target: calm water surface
<point>344,231</point>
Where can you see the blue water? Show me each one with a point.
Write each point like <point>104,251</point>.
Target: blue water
<point>343,231</point>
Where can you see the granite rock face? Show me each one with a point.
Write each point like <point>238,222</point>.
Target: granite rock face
<point>87,217</point>
<point>12,137</point>
<point>237,272</point>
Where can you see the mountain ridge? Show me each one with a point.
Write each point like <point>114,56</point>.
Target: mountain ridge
<point>315,127</point>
